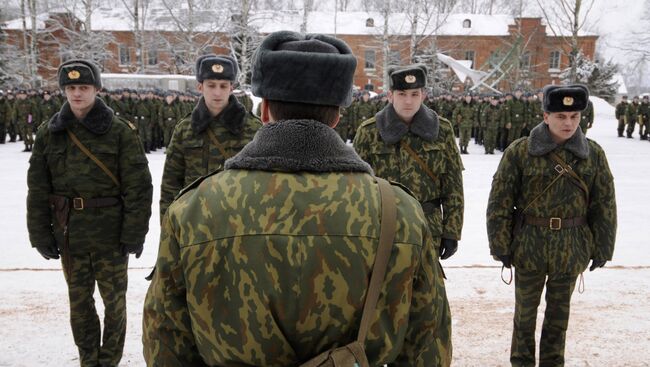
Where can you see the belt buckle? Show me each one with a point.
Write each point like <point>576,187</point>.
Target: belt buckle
<point>555,224</point>
<point>559,169</point>
<point>78,203</point>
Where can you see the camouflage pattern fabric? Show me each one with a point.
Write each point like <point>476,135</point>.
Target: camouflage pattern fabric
<point>631,113</point>
<point>621,107</point>
<point>192,154</point>
<point>490,117</point>
<point>464,116</point>
<point>643,115</point>
<point>528,290</point>
<point>517,109</point>
<point>170,114</point>
<point>587,117</point>
<point>362,111</point>
<point>109,270</point>
<point>441,156</point>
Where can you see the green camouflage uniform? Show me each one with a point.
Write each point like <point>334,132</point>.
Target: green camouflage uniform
<point>587,117</point>
<point>169,114</point>
<point>141,110</point>
<point>539,253</point>
<point>433,140</point>
<point>464,116</point>
<point>643,115</point>
<point>24,117</point>
<point>621,107</point>
<point>491,122</point>
<point>631,114</point>
<point>93,254</point>
<point>362,112</point>
<point>517,119</point>
<point>192,154</point>
<point>267,263</point>
<point>47,110</point>
<point>4,119</point>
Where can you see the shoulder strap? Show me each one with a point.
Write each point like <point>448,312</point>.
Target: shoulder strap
<point>87,152</point>
<point>419,160</point>
<point>575,179</point>
<point>386,238</point>
<point>216,142</point>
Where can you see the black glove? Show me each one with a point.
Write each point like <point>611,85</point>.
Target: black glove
<point>505,259</point>
<point>596,264</point>
<point>448,247</point>
<point>131,249</point>
<point>48,251</point>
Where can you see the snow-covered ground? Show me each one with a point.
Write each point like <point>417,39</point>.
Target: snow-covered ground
<point>609,326</point>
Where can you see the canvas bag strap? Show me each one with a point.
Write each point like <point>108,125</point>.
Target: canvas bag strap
<point>419,160</point>
<point>216,142</point>
<point>575,179</point>
<point>386,237</point>
<point>87,152</point>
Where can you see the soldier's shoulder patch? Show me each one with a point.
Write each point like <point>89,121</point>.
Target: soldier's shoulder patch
<point>406,189</point>
<point>126,122</point>
<point>368,122</point>
<point>195,184</point>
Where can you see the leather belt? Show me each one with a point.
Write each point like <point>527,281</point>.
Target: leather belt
<point>81,203</point>
<point>556,223</point>
<point>428,207</point>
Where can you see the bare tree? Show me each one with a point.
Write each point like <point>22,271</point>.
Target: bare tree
<point>245,36</point>
<point>567,16</point>
<point>138,11</point>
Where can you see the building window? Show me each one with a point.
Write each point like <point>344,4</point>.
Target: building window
<point>370,56</point>
<point>152,57</point>
<point>370,22</point>
<point>469,55</point>
<point>125,55</point>
<point>394,58</point>
<point>524,61</point>
<point>467,23</point>
<point>554,62</point>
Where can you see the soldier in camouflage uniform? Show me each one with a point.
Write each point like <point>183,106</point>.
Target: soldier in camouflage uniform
<point>170,114</point>
<point>24,117</point>
<point>4,117</point>
<point>267,263</point>
<point>587,118</point>
<point>464,116</point>
<point>490,118</point>
<point>551,210</point>
<point>363,110</point>
<point>217,129</point>
<point>621,107</point>
<point>408,143</point>
<point>643,114</point>
<point>517,118</point>
<point>47,107</point>
<point>631,115</point>
<point>92,220</point>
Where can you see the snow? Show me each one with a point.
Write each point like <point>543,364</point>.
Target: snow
<point>609,325</point>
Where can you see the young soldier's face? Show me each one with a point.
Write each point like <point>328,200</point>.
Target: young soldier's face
<point>80,96</point>
<point>562,125</point>
<point>215,93</point>
<point>406,102</point>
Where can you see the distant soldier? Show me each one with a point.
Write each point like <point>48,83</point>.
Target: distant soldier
<point>363,109</point>
<point>464,116</point>
<point>551,210</point>
<point>631,116</point>
<point>621,108</point>
<point>408,143</point>
<point>24,117</point>
<point>89,202</point>
<point>642,117</point>
<point>4,117</point>
<point>587,118</point>
<point>170,114</point>
<point>517,121</point>
<point>48,107</point>
<point>491,121</point>
<point>217,129</point>
<point>268,262</point>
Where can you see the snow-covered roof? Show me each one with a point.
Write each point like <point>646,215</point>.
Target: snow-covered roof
<point>347,23</point>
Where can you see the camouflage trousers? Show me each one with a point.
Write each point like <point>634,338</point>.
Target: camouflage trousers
<point>514,132</point>
<point>631,123</point>
<point>528,291</point>
<point>168,130</point>
<point>490,140</point>
<point>27,132</point>
<point>465,136</point>
<point>109,271</point>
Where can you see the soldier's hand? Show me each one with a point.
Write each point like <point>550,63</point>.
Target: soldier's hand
<point>448,247</point>
<point>48,251</point>
<point>131,249</point>
<point>597,264</point>
<point>505,259</point>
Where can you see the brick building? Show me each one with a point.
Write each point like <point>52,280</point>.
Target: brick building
<point>524,47</point>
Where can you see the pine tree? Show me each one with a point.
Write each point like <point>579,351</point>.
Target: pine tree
<point>597,76</point>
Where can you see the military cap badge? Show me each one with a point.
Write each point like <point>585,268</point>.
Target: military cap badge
<point>568,101</point>
<point>74,74</point>
<point>410,78</point>
<point>217,68</point>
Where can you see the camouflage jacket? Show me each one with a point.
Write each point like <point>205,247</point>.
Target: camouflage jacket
<point>465,115</point>
<point>23,108</point>
<point>490,117</point>
<point>632,111</point>
<point>57,166</point>
<point>524,173</point>
<point>517,111</point>
<point>620,110</point>
<point>267,263</point>
<point>192,154</point>
<point>587,117</point>
<point>169,113</point>
<point>378,142</point>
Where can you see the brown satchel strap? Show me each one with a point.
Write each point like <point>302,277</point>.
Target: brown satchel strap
<point>216,143</point>
<point>556,223</point>
<point>386,238</point>
<point>574,179</point>
<point>419,160</point>
<point>87,152</point>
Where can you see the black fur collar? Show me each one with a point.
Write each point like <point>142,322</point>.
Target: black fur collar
<point>298,145</point>
<point>425,124</point>
<point>98,120</point>
<point>540,142</point>
<point>232,116</point>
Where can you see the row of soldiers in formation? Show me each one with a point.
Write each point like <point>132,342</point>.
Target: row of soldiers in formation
<point>494,121</point>
<point>630,114</point>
